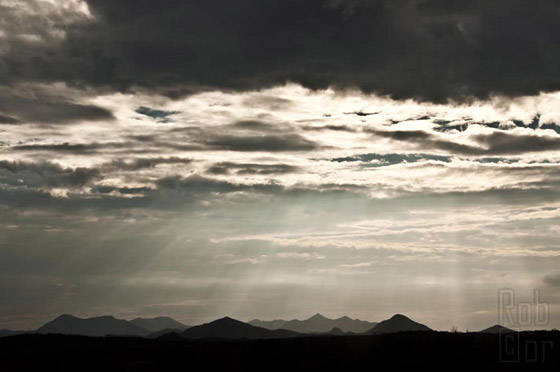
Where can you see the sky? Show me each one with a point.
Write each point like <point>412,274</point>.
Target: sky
<point>278,158</point>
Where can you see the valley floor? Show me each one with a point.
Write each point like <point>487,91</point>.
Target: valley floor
<point>431,351</point>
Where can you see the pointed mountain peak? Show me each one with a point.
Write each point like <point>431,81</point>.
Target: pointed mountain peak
<point>65,316</point>
<point>226,320</point>
<point>229,328</point>
<point>336,331</point>
<point>398,323</point>
<point>400,317</point>
<point>318,317</point>
<point>497,329</point>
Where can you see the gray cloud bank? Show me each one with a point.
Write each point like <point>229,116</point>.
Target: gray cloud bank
<point>497,143</point>
<point>431,50</point>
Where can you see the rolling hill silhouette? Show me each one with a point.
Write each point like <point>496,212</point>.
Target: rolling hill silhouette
<point>165,331</point>
<point>317,324</point>
<point>497,329</point>
<point>159,323</point>
<point>231,329</point>
<point>268,324</point>
<point>7,332</point>
<point>98,326</point>
<point>336,332</point>
<point>397,323</point>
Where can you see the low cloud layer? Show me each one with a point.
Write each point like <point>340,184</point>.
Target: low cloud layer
<point>496,143</point>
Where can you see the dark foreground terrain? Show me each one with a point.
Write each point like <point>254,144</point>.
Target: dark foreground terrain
<point>412,351</point>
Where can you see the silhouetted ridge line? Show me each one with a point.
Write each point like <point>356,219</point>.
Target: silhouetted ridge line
<point>163,332</point>
<point>159,323</point>
<point>397,323</point>
<point>336,332</point>
<point>98,326</point>
<point>497,329</point>
<point>316,324</point>
<point>8,332</point>
<point>229,328</point>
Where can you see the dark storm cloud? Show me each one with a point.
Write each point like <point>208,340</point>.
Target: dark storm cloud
<point>8,120</point>
<point>496,143</point>
<point>44,175</point>
<point>425,49</point>
<point>53,113</point>
<point>61,113</point>
<point>77,148</point>
<point>226,168</point>
<point>46,110</point>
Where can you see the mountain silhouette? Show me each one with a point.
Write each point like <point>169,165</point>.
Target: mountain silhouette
<point>397,323</point>
<point>231,328</point>
<point>165,331</point>
<point>347,324</point>
<point>98,326</point>
<point>159,323</point>
<point>497,329</point>
<point>7,332</point>
<point>268,324</point>
<point>336,332</point>
<point>169,336</point>
<point>317,324</point>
